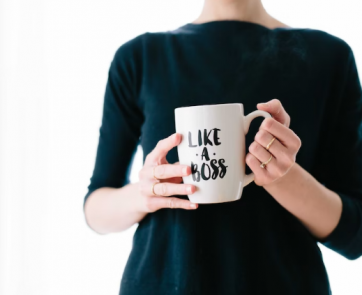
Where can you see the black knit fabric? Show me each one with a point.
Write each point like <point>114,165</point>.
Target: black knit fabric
<point>253,245</point>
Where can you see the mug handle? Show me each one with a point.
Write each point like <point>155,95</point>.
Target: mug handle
<point>247,120</point>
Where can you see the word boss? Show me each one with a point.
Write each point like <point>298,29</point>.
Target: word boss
<point>212,168</point>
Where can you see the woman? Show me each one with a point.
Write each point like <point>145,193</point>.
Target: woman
<point>266,242</point>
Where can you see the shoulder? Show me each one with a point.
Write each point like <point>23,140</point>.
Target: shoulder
<point>142,46</point>
<point>326,44</point>
<point>316,48</point>
<point>141,41</point>
<point>129,50</point>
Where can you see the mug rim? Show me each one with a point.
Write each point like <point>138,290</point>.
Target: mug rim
<point>211,105</point>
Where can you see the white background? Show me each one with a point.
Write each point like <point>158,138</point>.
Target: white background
<point>54,59</point>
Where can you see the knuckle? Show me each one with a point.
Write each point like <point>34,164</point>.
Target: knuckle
<point>163,189</point>
<point>268,123</point>
<point>288,118</point>
<point>286,161</point>
<point>253,147</point>
<point>299,142</point>
<point>160,170</point>
<point>171,203</point>
<point>248,158</point>
<point>277,103</point>
<point>276,100</point>
<point>294,146</point>
<point>261,136</point>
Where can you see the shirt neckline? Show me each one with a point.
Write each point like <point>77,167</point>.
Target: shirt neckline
<point>219,25</point>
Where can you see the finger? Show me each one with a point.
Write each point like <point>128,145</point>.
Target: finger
<point>276,109</point>
<point>261,175</point>
<point>169,189</point>
<point>171,170</point>
<point>278,150</point>
<point>176,179</point>
<point>163,147</point>
<point>260,153</point>
<point>165,171</point>
<point>157,203</point>
<point>285,135</point>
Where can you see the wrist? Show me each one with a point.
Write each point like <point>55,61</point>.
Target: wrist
<point>279,181</point>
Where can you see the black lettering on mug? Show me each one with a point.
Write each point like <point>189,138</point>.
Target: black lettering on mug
<point>223,168</point>
<point>194,172</point>
<point>190,141</point>
<point>200,138</point>
<point>205,154</point>
<point>203,175</point>
<point>206,137</point>
<point>214,168</point>
<point>216,139</point>
<point>217,166</point>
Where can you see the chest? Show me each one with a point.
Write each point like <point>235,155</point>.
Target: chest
<point>175,83</point>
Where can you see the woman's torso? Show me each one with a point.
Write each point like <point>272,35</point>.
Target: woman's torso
<point>253,245</point>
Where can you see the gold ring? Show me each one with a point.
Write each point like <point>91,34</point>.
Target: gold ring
<point>270,143</point>
<point>262,165</point>
<point>153,169</point>
<point>152,188</point>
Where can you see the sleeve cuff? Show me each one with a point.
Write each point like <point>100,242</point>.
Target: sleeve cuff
<point>346,238</point>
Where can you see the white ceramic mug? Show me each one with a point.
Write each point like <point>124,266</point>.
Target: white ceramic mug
<point>213,144</point>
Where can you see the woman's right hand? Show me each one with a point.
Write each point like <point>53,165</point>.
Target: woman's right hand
<point>169,179</point>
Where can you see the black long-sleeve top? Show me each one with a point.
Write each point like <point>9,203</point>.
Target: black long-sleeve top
<point>253,245</point>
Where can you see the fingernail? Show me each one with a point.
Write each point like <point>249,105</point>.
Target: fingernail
<point>192,205</point>
<point>184,171</point>
<point>189,189</point>
<point>263,103</point>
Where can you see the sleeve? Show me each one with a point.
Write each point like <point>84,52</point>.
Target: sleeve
<point>340,164</point>
<point>122,118</point>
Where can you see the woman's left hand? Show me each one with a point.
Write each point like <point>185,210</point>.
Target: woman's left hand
<point>284,148</point>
